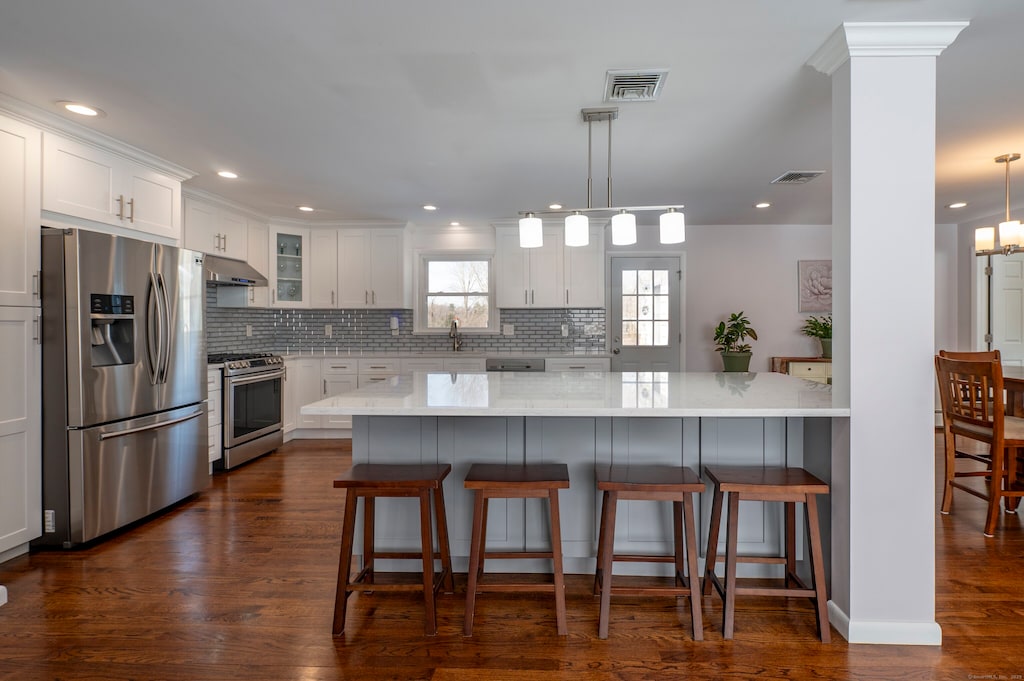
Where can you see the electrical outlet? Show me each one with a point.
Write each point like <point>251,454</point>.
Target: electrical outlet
<point>565,330</point>
<point>328,331</point>
<point>49,521</point>
<point>248,330</point>
<point>508,329</point>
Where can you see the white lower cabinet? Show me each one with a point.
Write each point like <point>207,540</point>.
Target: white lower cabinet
<point>378,370</point>
<point>290,409</point>
<point>338,376</point>
<point>306,374</point>
<point>214,411</point>
<point>21,503</point>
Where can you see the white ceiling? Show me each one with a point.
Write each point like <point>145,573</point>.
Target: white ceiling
<point>368,109</point>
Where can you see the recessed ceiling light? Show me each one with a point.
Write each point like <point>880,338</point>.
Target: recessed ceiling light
<point>81,109</point>
<point>555,206</point>
<point>228,174</point>
<point>306,209</point>
<point>763,204</point>
<point>454,224</point>
<point>429,207</point>
<point>958,204</point>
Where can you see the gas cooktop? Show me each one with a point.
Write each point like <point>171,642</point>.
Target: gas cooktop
<point>246,362</point>
<point>222,357</point>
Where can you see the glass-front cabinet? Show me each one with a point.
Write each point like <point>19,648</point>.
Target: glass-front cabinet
<point>289,272</point>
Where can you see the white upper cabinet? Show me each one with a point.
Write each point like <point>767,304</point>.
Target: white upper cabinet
<point>372,270</point>
<point>554,275</point>
<point>212,229</point>
<point>584,272</point>
<point>323,268</point>
<point>529,277</point>
<point>20,149</point>
<point>87,182</point>
<point>289,271</point>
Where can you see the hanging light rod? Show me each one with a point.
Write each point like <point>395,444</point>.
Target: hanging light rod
<point>672,221</point>
<point>1009,237</point>
<point>596,211</point>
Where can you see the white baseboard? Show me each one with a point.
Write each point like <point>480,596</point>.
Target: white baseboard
<point>890,633</point>
<point>3,594</point>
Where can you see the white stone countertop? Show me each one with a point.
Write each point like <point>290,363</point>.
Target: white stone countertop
<point>447,354</point>
<point>585,394</point>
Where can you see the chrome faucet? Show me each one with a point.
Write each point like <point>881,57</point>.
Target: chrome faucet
<point>453,333</point>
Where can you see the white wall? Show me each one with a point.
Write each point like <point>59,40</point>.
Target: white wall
<point>947,291</point>
<point>752,268</point>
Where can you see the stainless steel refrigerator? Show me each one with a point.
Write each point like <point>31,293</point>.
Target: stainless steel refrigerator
<point>124,382</point>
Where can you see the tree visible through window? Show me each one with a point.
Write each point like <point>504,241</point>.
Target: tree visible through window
<point>458,289</point>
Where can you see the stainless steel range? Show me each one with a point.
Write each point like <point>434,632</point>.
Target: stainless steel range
<point>253,405</point>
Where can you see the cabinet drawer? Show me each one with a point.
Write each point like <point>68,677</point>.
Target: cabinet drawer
<point>567,364</point>
<point>379,366</point>
<point>371,379</point>
<point>339,366</point>
<point>213,409</point>
<point>815,371</point>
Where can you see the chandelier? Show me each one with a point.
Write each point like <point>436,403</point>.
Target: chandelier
<point>1010,234</point>
<point>672,222</point>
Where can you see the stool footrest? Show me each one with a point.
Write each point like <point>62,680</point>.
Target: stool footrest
<point>515,587</point>
<point>640,558</point>
<point>518,554</point>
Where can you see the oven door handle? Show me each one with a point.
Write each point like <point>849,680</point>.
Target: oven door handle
<point>255,378</point>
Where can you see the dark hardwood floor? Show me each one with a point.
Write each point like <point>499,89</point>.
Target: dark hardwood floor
<point>238,583</point>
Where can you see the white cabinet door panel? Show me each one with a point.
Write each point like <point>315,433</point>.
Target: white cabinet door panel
<point>21,504</point>
<point>20,167</point>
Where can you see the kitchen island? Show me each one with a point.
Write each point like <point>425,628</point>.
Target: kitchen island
<point>584,419</point>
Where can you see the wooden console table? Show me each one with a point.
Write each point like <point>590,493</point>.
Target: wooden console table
<point>812,368</point>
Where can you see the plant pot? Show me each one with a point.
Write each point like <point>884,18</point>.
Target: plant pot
<point>736,361</point>
<point>826,348</point>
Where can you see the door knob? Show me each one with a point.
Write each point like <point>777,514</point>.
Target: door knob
<point>615,351</point>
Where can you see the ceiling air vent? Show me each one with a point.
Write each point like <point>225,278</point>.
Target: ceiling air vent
<point>634,86</point>
<point>797,176</point>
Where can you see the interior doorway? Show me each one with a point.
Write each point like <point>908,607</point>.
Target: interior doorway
<point>644,328</point>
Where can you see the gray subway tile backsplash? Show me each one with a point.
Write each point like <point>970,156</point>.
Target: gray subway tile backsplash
<point>292,331</point>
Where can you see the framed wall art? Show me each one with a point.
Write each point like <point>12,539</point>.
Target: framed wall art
<point>815,284</point>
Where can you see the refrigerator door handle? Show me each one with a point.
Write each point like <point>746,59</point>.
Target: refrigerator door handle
<point>154,330</point>
<point>153,426</point>
<point>165,337</point>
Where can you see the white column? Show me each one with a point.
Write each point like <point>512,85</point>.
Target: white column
<point>3,594</point>
<point>883,236</point>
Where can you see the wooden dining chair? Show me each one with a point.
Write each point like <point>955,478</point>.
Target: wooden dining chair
<point>971,391</point>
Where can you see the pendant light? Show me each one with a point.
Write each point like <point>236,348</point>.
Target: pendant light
<point>531,232</point>
<point>577,224</point>
<point>577,229</point>
<point>623,228</point>
<point>1010,233</point>
<point>672,227</point>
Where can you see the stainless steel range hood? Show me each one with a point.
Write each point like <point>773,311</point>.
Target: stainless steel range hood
<point>228,272</point>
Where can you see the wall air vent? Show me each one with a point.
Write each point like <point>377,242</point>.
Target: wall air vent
<point>634,86</point>
<point>797,176</point>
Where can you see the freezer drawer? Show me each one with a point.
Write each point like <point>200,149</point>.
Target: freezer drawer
<point>124,471</point>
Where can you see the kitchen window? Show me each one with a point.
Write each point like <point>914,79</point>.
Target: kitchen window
<point>456,286</point>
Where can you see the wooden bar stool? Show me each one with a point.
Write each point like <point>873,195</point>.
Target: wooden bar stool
<point>650,483</point>
<point>368,482</point>
<point>490,481</point>
<point>754,483</point>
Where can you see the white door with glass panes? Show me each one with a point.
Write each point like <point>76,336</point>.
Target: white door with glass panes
<point>644,329</point>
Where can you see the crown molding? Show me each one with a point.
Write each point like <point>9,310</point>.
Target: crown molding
<point>884,39</point>
<point>51,122</point>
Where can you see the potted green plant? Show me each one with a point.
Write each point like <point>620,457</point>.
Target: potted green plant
<point>820,328</point>
<point>729,341</point>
